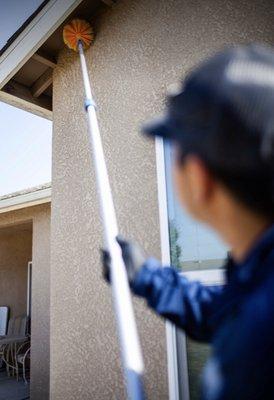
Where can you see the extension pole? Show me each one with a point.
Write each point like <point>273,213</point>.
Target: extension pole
<point>129,341</point>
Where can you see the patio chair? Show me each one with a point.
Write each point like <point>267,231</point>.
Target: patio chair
<point>16,326</point>
<point>22,357</point>
<point>17,334</point>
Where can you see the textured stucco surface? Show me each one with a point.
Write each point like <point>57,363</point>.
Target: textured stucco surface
<point>141,48</point>
<point>15,253</point>
<point>39,216</point>
<point>40,305</point>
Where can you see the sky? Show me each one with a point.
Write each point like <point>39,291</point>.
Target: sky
<point>25,139</point>
<point>25,149</point>
<point>13,14</point>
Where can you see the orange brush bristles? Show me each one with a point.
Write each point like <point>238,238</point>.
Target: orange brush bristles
<point>78,29</point>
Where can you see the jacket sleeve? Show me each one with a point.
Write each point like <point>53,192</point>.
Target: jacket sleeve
<point>188,304</point>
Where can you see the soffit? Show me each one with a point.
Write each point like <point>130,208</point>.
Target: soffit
<point>32,84</point>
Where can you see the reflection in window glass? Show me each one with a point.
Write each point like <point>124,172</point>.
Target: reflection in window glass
<point>197,354</point>
<point>193,245</point>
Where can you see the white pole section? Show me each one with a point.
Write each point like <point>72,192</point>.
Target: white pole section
<point>127,330</point>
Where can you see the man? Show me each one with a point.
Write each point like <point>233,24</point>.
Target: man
<point>222,127</point>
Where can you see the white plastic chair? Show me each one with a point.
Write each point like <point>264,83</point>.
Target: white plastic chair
<point>22,356</point>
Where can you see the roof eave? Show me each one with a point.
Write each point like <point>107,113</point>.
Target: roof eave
<point>22,27</point>
<point>25,200</point>
<point>35,33</point>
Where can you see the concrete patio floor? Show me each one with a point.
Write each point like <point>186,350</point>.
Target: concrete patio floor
<point>10,389</point>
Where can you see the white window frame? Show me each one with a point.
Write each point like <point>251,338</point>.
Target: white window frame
<point>172,354</point>
<point>178,385</point>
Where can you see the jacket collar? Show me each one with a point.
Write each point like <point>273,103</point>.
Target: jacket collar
<point>243,277</point>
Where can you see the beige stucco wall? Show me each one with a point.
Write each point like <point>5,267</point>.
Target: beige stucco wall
<point>40,325</point>
<point>15,253</point>
<point>141,48</point>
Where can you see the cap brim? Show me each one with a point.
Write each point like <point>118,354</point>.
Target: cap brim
<point>161,126</point>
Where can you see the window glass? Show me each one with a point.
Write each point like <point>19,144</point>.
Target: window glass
<point>193,245</point>
<point>197,354</point>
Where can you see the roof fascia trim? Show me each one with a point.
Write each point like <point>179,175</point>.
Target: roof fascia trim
<point>25,105</point>
<point>25,200</point>
<point>33,36</point>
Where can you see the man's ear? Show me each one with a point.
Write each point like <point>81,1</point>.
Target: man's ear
<point>200,180</point>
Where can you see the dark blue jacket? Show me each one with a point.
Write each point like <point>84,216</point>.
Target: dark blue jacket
<point>237,319</point>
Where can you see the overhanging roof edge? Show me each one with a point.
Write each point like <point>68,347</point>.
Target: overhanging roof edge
<point>24,200</point>
<point>33,36</point>
<point>22,27</point>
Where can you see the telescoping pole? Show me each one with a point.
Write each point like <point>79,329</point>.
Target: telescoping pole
<point>127,330</point>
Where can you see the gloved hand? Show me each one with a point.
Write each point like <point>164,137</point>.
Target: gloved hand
<point>133,256</point>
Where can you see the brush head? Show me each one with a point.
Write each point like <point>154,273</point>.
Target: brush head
<point>78,30</point>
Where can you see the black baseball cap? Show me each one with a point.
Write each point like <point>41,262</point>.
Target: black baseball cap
<point>224,110</point>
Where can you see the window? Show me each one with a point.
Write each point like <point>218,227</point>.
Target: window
<point>193,245</point>
<point>195,249</point>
